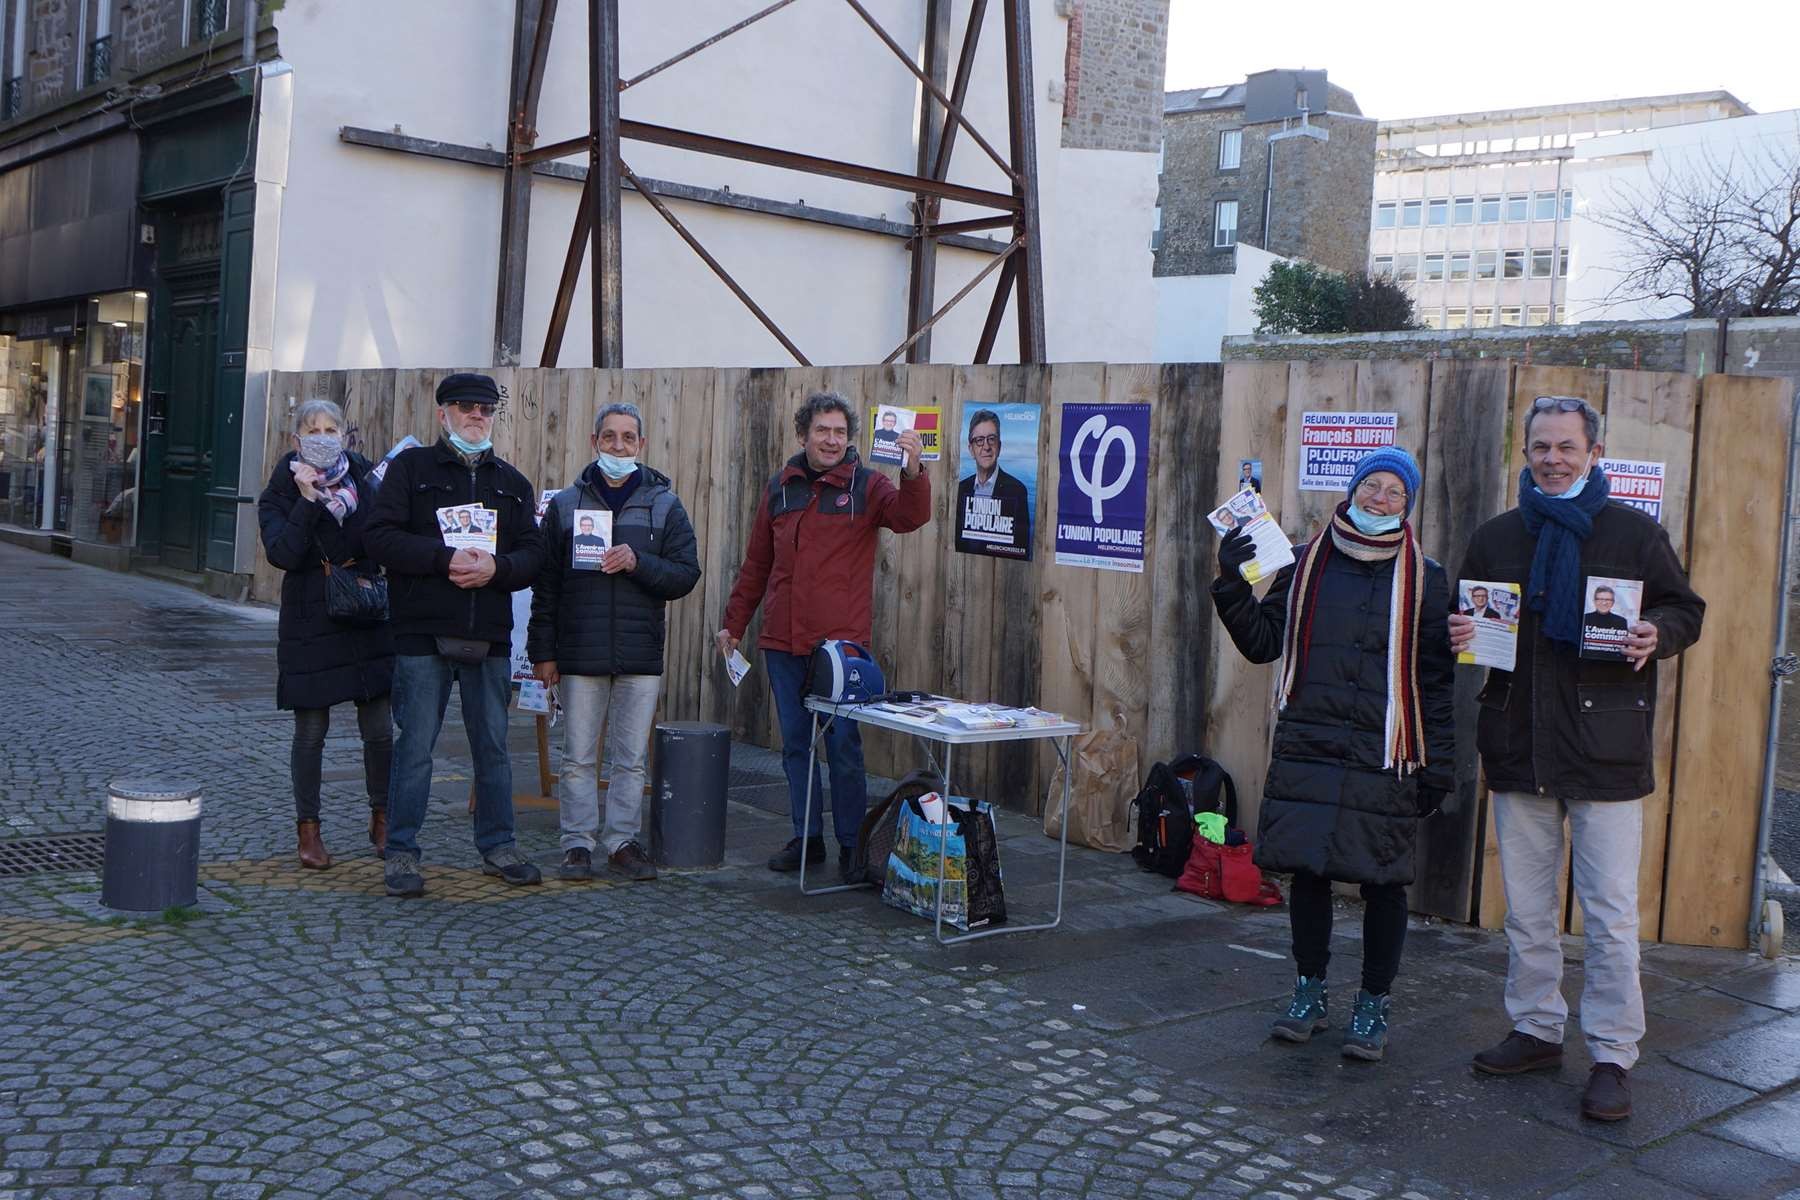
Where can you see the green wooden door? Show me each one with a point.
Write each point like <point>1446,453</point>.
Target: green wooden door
<point>188,429</point>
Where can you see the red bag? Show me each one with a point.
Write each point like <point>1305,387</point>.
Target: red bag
<point>1226,873</point>
<point>1204,874</point>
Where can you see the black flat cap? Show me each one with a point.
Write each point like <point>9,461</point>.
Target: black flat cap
<point>467,385</point>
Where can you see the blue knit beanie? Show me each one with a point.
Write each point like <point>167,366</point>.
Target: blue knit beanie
<point>1389,458</point>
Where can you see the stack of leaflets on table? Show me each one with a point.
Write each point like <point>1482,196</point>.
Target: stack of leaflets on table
<point>917,714</point>
<point>973,718</point>
<point>1033,718</point>
<point>1495,607</point>
<point>1247,512</point>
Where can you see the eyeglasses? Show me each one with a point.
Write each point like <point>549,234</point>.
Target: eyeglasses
<point>1560,404</point>
<point>1374,491</point>
<point>470,407</point>
<point>986,441</point>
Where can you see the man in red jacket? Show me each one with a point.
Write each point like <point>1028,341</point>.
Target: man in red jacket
<point>810,565</point>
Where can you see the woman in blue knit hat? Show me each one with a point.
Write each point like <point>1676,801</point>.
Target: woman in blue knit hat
<point>1364,737</point>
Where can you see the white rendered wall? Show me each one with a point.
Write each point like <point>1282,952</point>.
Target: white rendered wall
<point>1605,171</point>
<point>1195,312</point>
<point>389,259</point>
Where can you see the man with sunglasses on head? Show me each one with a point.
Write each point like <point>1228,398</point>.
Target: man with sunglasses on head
<point>1561,737</point>
<point>452,618</point>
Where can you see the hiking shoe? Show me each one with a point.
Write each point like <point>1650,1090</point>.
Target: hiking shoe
<point>1366,1037</point>
<point>510,865</point>
<point>577,865</point>
<point>630,862</point>
<point>1519,1053</point>
<point>401,874</point>
<point>788,857</point>
<point>1305,1013</point>
<point>1608,1094</point>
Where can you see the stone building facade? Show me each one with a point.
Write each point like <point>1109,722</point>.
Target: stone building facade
<point>1312,203</point>
<point>1113,73</point>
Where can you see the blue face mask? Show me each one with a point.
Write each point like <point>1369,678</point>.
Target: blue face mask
<point>614,467</point>
<point>1370,523</point>
<point>485,443</point>
<point>1574,490</point>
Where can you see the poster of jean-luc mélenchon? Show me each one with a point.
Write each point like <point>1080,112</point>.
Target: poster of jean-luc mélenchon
<point>995,500</point>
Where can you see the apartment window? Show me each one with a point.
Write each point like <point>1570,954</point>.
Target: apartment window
<point>1512,265</point>
<point>1481,318</point>
<point>1560,311</point>
<point>1568,204</point>
<point>1459,266</point>
<point>1456,318</point>
<point>1406,266</point>
<point>1538,314</point>
<point>1384,265</point>
<point>1156,231</point>
<point>1225,223</point>
<point>208,20</point>
<point>1434,268</point>
<point>1543,206</point>
<point>1542,261</point>
<point>1437,212</point>
<point>1462,210</point>
<point>1490,209</point>
<point>1518,208</point>
<point>1562,265</point>
<point>1410,213</point>
<point>1509,316</point>
<point>1231,149</point>
<point>1384,214</point>
<point>1487,264</point>
<point>1433,319</point>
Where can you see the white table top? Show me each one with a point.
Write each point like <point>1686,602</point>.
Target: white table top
<point>939,733</point>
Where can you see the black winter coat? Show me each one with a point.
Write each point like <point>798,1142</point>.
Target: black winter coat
<point>1566,726</point>
<point>320,662</point>
<point>1329,807</point>
<point>403,536</point>
<point>593,623</point>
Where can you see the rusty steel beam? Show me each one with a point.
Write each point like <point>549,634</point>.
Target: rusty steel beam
<point>567,148</point>
<point>1006,256</point>
<point>990,328</point>
<point>1022,129</point>
<point>959,92</point>
<point>515,188</point>
<point>702,143</point>
<point>565,285</point>
<point>716,38</point>
<point>540,54</point>
<point>952,227</point>
<point>955,110</point>
<point>605,269</point>
<point>921,275</point>
<point>717,267</point>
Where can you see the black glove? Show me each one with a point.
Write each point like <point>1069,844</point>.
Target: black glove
<point>1432,801</point>
<point>1235,549</point>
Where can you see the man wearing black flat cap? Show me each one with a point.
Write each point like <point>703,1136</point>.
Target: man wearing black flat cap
<point>452,622</point>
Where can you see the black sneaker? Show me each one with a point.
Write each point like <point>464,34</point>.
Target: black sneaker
<point>788,857</point>
<point>630,862</point>
<point>401,874</point>
<point>577,865</point>
<point>511,866</point>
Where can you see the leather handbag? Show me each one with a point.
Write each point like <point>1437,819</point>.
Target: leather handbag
<point>352,598</point>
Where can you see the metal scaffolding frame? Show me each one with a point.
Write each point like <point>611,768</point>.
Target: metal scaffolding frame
<point>596,233</point>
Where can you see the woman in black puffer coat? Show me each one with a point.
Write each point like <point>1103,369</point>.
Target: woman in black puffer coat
<point>311,513</point>
<point>1365,738</point>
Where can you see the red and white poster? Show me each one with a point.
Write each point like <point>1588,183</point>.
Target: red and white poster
<point>1332,443</point>
<point>1639,484</point>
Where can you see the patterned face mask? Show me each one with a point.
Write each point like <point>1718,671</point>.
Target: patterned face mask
<point>321,451</point>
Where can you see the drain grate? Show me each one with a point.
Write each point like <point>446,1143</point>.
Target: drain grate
<point>50,855</point>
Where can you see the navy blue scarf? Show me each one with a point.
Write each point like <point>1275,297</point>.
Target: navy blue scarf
<point>1555,592</point>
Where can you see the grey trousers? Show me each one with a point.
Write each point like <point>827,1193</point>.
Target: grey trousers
<point>587,700</point>
<point>1605,838</point>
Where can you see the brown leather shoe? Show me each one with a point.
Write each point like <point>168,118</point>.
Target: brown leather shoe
<point>378,831</point>
<point>1518,1053</point>
<point>1608,1095</point>
<point>313,854</point>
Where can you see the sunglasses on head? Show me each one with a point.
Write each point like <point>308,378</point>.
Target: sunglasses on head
<point>469,407</point>
<point>1560,404</point>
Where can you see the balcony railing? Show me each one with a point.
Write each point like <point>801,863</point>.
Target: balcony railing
<point>12,98</point>
<point>99,63</point>
<point>209,19</point>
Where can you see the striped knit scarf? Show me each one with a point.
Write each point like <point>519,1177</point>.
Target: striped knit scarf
<point>1404,741</point>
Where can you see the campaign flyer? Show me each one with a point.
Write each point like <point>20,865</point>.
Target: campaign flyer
<point>470,527</point>
<point>592,536</point>
<point>1495,608</point>
<point>1610,608</point>
<point>1246,511</point>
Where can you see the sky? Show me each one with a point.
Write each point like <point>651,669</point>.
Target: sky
<point>1420,60</point>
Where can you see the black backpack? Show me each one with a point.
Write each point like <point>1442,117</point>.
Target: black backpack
<point>1173,793</point>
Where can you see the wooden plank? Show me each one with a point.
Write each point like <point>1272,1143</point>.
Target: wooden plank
<point>1465,432</point>
<point>1122,599</point>
<point>1312,387</point>
<point>924,561</point>
<point>970,619</point>
<point>715,501</point>
<point>1066,595</point>
<point>1186,485</point>
<point>1253,423</point>
<point>1015,665</point>
<point>1724,706</point>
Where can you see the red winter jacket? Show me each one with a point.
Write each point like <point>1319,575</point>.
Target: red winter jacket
<point>820,536</point>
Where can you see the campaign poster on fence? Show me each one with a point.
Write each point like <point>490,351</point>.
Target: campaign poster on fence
<point>1639,484</point>
<point>1332,443</point>
<point>1100,497</point>
<point>994,502</point>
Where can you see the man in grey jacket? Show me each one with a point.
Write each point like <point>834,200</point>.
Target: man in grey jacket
<point>597,636</point>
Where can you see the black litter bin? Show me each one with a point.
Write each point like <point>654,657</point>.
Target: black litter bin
<point>152,846</point>
<point>687,794</point>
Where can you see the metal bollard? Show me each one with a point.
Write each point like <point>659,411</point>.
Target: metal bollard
<point>152,846</point>
<point>687,794</point>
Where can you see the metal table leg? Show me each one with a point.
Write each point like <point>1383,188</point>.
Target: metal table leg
<point>1062,862</point>
<point>812,758</point>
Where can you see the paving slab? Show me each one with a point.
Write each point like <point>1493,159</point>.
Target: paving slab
<point>1763,1057</point>
<point>1772,1126</point>
<point>1709,1166</point>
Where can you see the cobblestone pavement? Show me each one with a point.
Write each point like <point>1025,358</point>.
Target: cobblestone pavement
<point>713,1033</point>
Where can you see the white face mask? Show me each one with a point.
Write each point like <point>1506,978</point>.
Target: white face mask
<point>615,467</point>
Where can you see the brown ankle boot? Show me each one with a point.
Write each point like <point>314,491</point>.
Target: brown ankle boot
<point>378,831</point>
<point>313,854</point>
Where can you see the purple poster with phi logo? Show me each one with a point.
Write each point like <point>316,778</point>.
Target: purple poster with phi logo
<point>1104,467</point>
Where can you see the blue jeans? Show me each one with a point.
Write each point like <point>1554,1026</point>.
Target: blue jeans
<point>842,743</point>
<point>421,690</point>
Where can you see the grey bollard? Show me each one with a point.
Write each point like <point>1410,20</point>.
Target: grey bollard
<point>152,846</point>
<point>687,794</point>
